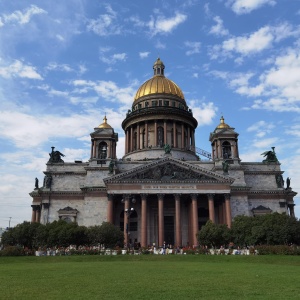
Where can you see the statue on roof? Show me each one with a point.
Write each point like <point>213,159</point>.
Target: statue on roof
<point>55,156</point>
<point>288,183</point>
<point>270,156</point>
<point>225,166</point>
<point>167,149</point>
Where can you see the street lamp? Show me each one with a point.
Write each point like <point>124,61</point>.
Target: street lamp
<point>128,212</point>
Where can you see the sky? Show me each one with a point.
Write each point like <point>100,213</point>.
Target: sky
<point>65,64</point>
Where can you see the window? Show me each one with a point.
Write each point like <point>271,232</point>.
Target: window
<point>102,150</point>
<point>226,149</point>
<point>160,136</point>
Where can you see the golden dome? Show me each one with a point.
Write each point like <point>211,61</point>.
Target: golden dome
<point>159,84</point>
<point>222,124</point>
<point>104,124</point>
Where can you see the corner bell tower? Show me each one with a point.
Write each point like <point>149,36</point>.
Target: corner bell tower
<point>224,143</point>
<point>103,142</point>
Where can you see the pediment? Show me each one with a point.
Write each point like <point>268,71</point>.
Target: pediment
<point>168,170</point>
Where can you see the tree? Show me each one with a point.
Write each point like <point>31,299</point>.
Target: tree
<point>24,234</point>
<point>213,235</point>
<point>270,229</point>
<point>106,234</point>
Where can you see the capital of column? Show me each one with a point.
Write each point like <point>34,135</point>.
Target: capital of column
<point>177,197</point>
<point>210,196</point>
<point>160,196</point>
<point>35,207</point>
<point>144,196</point>
<point>194,196</point>
<point>227,196</point>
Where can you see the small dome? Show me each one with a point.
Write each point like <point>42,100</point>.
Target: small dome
<point>159,84</point>
<point>104,124</point>
<point>222,124</point>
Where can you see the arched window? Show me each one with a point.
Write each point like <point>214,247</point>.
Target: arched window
<point>226,149</point>
<point>102,150</point>
<point>160,136</point>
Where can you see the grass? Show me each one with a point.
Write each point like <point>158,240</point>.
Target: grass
<point>150,277</point>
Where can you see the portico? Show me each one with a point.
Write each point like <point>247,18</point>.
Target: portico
<point>172,201</point>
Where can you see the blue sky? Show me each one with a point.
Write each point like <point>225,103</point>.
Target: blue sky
<point>64,64</point>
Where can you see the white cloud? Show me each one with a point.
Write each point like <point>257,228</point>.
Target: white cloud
<point>19,69</point>
<point>59,67</point>
<point>218,29</point>
<point>144,54</point>
<point>261,128</point>
<point>203,112</point>
<point>246,6</point>
<point>35,129</point>
<point>109,90</point>
<point>114,58</point>
<point>254,42</point>
<point>22,17</point>
<point>194,47</point>
<point>106,24</point>
<point>160,24</point>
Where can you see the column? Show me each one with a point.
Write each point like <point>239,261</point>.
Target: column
<point>219,149</point>
<point>110,211</point>
<point>146,134</point>
<point>194,219</point>
<point>131,139</point>
<point>144,221</point>
<point>228,210</point>
<point>138,137</point>
<point>126,142</point>
<point>291,208</point>
<point>109,150</point>
<point>211,207</point>
<point>33,215</point>
<point>178,238</point>
<point>160,219</point>
<point>126,208</point>
<point>174,135</point>
<point>155,133</point>
<point>193,139</point>
<point>182,136</point>
<point>94,151</point>
<point>92,144</point>
<point>38,215</point>
<point>165,132</point>
<point>189,138</point>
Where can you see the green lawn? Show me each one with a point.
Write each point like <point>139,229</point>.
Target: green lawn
<point>150,277</point>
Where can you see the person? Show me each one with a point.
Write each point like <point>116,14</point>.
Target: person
<point>164,248</point>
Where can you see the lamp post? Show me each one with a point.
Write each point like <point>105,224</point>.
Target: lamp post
<point>127,213</point>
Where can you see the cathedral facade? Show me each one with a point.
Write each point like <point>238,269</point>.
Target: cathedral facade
<point>160,190</point>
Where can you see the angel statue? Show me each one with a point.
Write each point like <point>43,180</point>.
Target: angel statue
<point>55,156</point>
<point>270,156</point>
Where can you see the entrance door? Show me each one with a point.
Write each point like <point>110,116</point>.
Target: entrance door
<point>169,230</point>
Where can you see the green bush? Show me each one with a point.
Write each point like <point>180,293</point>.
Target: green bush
<point>278,250</point>
<point>12,251</point>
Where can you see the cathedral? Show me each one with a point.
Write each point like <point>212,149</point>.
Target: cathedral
<point>161,190</point>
